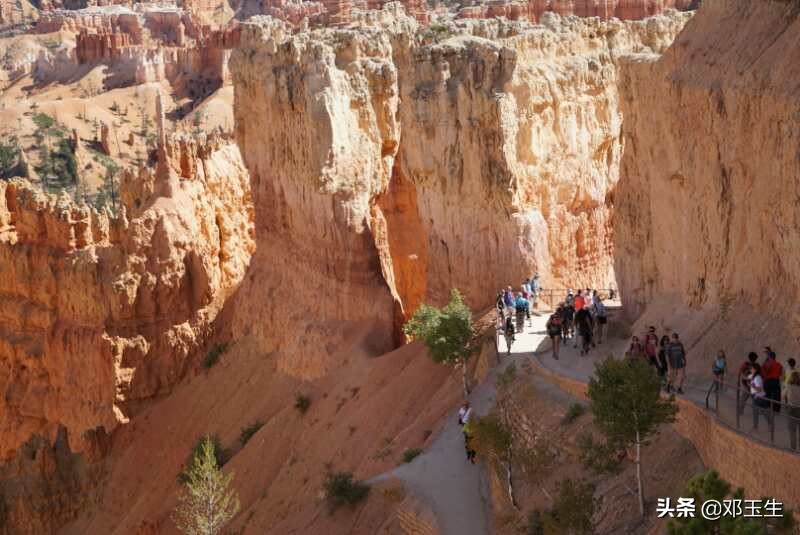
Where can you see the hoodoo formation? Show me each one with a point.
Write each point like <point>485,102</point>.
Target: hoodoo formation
<point>218,219</point>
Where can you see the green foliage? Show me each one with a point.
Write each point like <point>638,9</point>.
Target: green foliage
<point>575,411</point>
<point>600,457</point>
<point>491,437</point>
<point>302,403</point>
<point>9,156</point>
<point>571,512</point>
<point>410,454</point>
<point>58,168</point>
<point>212,357</point>
<point>43,121</point>
<point>108,194</point>
<point>709,486</point>
<point>446,332</point>
<point>626,401</point>
<point>439,31</point>
<point>341,489</point>
<point>206,503</point>
<point>247,433</point>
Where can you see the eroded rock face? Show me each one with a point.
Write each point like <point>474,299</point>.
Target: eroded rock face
<point>707,200</point>
<point>408,166</point>
<point>100,313</point>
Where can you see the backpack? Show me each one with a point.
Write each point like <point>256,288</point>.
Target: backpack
<point>554,325</point>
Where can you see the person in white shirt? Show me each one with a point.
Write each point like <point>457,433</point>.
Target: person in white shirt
<point>761,405</point>
<point>464,414</point>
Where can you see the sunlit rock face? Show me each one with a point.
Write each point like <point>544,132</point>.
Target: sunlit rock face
<point>408,162</point>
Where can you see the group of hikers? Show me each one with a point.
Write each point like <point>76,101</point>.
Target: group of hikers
<point>768,385</point>
<point>666,355</point>
<point>580,316</point>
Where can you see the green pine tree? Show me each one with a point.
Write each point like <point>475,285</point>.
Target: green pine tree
<point>447,332</point>
<point>206,503</point>
<point>627,407</point>
<point>709,486</point>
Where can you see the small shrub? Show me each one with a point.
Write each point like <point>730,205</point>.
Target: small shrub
<point>212,357</point>
<point>197,453</point>
<point>600,457</point>
<point>341,489</point>
<point>576,410</point>
<point>247,433</point>
<point>410,454</point>
<point>302,403</point>
<point>43,121</point>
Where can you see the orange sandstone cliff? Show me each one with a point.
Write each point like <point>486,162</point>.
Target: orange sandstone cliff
<point>706,205</point>
<point>387,163</point>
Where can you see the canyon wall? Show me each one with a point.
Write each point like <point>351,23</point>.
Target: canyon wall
<point>707,203</point>
<point>101,312</point>
<point>415,163</point>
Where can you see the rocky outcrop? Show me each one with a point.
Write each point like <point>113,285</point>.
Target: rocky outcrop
<point>413,153</point>
<point>606,9</point>
<point>100,313</point>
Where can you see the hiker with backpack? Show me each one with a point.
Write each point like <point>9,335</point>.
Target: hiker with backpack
<point>601,319</point>
<point>553,327</point>
<point>508,332</point>
<point>651,347</point>
<point>522,308</point>
<point>584,328</point>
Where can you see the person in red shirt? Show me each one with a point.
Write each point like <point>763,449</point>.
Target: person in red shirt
<point>772,371</point>
<point>580,301</point>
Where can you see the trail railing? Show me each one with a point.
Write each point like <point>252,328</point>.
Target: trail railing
<point>770,421</point>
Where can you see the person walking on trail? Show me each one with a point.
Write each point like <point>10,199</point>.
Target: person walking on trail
<point>651,347</point>
<point>718,368</point>
<point>676,360</point>
<point>580,301</point>
<point>521,307</point>
<point>793,408</point>
<point>553,327</point>
<point>771,372</point>
<point>535,292</point>
<point>602,319</point>
<point>568,313</point>
<point>508,332</point>
<point>743,379</point>
<point>635,350</point>
<point>526,288</point>
<point>791,367</point>
<point>508,301</point>
<point>464,417</point>
<point>761,405</point>
<point>662,359</point>
<point>501,307</point>
<point>584,326</point>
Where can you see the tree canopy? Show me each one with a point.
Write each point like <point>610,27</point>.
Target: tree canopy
<point>446,332</point>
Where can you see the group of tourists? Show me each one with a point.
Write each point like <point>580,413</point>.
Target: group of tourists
<point>769,384</point>
<point>513,308</point>
<point>581,317</point>
<point>665,354</point>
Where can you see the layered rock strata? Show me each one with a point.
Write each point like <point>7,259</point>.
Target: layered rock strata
<point>101,312</point>
<point>408,165</point>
